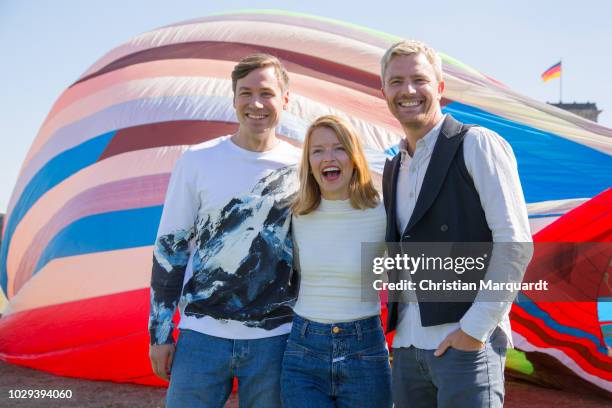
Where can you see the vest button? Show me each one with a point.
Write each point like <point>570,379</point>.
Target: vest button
<point>336,330</point>
<point>444,228</point>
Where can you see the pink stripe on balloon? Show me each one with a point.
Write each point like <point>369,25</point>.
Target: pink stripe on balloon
<point>275,35</point>
<point>353,32</point>
<point>128,165</point>
<point>153,69</point>
<point>125,194</point>
<point>79,277</point>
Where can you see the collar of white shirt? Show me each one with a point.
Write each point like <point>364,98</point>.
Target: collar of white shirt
<point>427,142</point>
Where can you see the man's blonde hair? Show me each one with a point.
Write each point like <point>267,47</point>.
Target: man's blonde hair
<point>411,47</point>
<point>361,189</point>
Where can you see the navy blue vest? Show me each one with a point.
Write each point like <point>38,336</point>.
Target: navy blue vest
<point>448,209</point>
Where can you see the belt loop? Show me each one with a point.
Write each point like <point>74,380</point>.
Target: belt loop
<point>358,328</point>
<point>304,328</point>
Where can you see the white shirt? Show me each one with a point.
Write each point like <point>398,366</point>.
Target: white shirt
<point>491,164</point>
<point>219,199</point>
<point>330,255</point>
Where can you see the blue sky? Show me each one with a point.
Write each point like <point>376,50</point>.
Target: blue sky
<point>47,44</point>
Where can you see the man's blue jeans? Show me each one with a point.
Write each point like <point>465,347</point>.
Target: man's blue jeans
<point>343,365</point>
<point>466,379</point>
<point>204,367</point>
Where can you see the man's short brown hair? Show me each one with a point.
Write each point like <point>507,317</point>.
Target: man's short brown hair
<point>255,61</point>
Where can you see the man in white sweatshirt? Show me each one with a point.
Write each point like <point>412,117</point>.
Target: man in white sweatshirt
<point>224,252</point>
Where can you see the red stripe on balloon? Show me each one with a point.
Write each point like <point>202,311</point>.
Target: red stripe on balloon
<point>589,222</point>
<point>174,133</point>
<point>294,62</point>
<point>103,338</point>
<point>582,351</point>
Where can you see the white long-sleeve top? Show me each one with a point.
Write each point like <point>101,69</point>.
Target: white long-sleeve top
<point>491,164</point>
<point>328,242</point>
<point>226,210</point>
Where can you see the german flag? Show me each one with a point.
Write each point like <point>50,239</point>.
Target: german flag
<point>552,72</point>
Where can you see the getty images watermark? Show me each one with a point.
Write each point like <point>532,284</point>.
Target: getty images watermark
<point>493,272</point>
<point>458,265</point>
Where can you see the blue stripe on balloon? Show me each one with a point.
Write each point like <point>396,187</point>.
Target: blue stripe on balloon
<point>104,232</point>
<point>551,167</point>
<point>534,310</point>
<point>606,330</point>
<point>604,309</point>
<point>51,174</point>
<point>604,312</point>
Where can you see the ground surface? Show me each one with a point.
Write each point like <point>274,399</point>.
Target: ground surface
<point>89,394</point>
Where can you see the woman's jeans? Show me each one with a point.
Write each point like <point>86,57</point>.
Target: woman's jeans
<point>336,365</point>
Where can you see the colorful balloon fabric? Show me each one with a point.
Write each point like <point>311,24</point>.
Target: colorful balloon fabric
<point>75,259</point>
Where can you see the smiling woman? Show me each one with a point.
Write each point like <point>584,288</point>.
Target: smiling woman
<point>333,167</point>
<point>330,164</point>
<point>334,329</point>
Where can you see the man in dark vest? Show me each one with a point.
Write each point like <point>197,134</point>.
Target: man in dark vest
<point>449,183</point>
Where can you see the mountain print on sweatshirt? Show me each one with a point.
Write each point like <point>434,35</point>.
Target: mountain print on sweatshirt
<point>242,261</point>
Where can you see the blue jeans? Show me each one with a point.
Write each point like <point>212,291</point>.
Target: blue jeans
<point>336,365</point>
<point>204,368</point>
<point>467,379</point>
